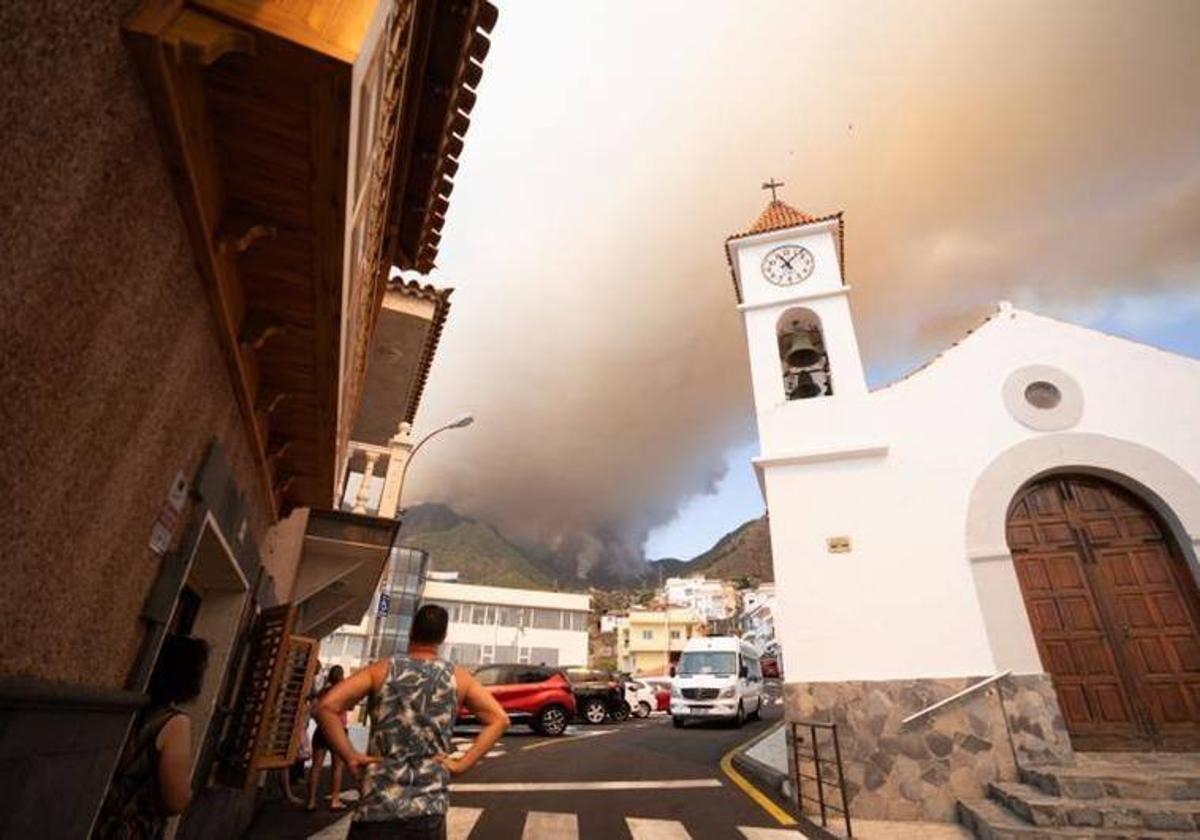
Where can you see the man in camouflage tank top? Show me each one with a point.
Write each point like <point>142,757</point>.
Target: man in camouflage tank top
<point>415,697</point>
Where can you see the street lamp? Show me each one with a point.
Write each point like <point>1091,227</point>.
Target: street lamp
<point>457,423</point>
<point>376,627</point>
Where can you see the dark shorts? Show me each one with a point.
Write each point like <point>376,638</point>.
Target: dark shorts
<point>432,827</point>
<point>319,742</point>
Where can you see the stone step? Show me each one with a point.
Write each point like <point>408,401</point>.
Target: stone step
<point>989,820</point>
<point>1121,776</point>
<point>1043,809</point>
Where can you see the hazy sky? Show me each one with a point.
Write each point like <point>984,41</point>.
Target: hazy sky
<point>1043,152</point>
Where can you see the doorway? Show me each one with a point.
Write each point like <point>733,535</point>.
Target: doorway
<point>1115,613</point>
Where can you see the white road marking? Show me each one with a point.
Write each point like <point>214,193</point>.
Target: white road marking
<point>770,833</point>
<point>534,787</point>
<point>460,821</point>
<point>494,753</point>
<point>543,825</point>
<point>657,829</point>
<point>339,830</point>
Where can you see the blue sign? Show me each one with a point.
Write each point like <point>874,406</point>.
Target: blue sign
<point>385,603</point>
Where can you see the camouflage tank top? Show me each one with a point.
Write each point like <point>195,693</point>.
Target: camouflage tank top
<point>412,721</point>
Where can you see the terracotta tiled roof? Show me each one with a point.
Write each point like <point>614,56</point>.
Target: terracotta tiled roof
<point>777,216</point>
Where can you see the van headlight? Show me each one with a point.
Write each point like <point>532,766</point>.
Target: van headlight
<point>728,692</point>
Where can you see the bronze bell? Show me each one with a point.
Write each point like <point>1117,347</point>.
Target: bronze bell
<point>805,387</point>
<point>803,350</point>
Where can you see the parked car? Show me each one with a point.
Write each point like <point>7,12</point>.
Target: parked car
<point>540,696</point>
<point>770,666</point>
<point>661,686</point>
<point>718,677</point>
<point>772,661</point>
<point>640,698</point>
<point>598,694</point>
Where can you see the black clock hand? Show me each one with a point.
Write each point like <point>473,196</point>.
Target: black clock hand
<point>787,262</point>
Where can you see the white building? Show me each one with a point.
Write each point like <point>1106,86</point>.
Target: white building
<point>713,600</point>
<point>1027,502</point>
<point>758,615</point>
<point>498,624</point>
<point>612,622</point>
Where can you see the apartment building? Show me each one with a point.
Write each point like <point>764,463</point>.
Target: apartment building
<point>651,640</point>
<point>496,624</point>
<point>712,599</point>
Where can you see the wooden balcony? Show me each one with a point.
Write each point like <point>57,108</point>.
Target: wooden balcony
<point>313,147</point>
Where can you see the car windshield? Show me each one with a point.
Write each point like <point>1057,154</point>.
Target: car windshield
<point>707,662</point>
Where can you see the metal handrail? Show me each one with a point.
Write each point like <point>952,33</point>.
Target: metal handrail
<point>971,689</point>
<point>819,775</point>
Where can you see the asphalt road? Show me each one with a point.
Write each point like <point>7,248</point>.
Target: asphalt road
<point>644,780</point>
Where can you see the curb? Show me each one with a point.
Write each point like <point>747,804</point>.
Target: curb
<point>776,784</point>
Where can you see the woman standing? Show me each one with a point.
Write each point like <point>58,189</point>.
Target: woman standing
<point>153,779</point>
<point>320,746</point>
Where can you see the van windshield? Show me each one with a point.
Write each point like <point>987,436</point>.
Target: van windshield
<point>707,662</point>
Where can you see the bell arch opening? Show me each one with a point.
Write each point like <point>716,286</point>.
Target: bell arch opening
<point>803,359</point>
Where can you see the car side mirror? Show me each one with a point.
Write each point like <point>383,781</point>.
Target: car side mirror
<point>743,671</point>
<point>672,670</point>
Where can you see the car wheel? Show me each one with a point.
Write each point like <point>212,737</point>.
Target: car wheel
<point>678,721</point>
<point>643,709</point>
<point>740,720</point>
<point>757,713</point>
<point>552,721</point>
<point>594,711</point>
<point>622,712</point>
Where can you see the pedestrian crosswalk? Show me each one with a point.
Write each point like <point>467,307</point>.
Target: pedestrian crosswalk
<point>461,824</point>
<point>549,825</point>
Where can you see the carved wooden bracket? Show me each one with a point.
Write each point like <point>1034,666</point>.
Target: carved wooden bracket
<point>256,338</point>
<point>238,244</point>
<point>200,39</point>
<point>267,401</point>
<point>279,451</point>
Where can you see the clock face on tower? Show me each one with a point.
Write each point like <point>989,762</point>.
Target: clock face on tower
<point>787,265</point>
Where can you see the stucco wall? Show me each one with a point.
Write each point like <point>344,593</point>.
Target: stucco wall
<point>905,601</point>
<point>111,376</point>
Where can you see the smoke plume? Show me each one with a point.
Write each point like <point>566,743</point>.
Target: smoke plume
<point>1047,153</point>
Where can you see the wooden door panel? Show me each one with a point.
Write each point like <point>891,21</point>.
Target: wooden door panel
<point>1114,612</point>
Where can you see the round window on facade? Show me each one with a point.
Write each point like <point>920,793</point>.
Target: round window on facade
<point>1043,397</point>
<point>1042,394</point>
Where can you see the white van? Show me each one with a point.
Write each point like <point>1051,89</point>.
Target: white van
<point>718,677</point>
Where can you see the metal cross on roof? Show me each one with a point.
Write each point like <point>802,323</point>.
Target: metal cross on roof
<point>772,185</point>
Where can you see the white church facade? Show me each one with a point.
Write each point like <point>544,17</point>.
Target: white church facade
<point>1026,507</point>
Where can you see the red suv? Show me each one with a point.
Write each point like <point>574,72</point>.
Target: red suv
<point>539,695</point>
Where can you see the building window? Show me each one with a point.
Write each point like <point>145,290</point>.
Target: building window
<point>675,634</point>
<point>544,656</point>
<point>488,655</point>
<point>647,635</point>
<point>547,619</point>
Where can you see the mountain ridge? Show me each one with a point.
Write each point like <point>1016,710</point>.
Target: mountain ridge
<point>481,554</point>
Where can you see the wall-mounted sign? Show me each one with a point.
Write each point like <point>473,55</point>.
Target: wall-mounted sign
<point>385,604</point>
<point>168,517</point>
<point>838,545</point>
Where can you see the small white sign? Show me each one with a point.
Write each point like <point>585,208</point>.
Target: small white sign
<point>168,517</point>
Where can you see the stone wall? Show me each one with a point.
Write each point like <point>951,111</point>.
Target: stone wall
<point>920,771</point>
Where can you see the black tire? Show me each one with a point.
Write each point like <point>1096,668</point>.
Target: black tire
<point>678,721</point>
<point>551,720</point>
<point>644,709</point>
<point>594,711</point>
<point>757,713</point>
<point>740,720</point>
<point>622,712</point>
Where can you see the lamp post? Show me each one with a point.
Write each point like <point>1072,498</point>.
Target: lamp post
<point>385,579</point>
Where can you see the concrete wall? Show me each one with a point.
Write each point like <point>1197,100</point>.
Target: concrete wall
<point>111,375</point>
<point>906,600</point>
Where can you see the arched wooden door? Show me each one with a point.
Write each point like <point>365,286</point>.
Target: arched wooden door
<point>1115,612</point>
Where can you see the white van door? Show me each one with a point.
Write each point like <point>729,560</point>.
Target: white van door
<point>752,686</point>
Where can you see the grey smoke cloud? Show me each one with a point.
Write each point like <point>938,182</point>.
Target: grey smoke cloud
<point>1044,152</point>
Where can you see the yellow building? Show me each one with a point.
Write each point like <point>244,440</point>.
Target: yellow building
<point>650,640</point>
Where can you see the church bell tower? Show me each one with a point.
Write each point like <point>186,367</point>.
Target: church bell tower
<point>805,365</point>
